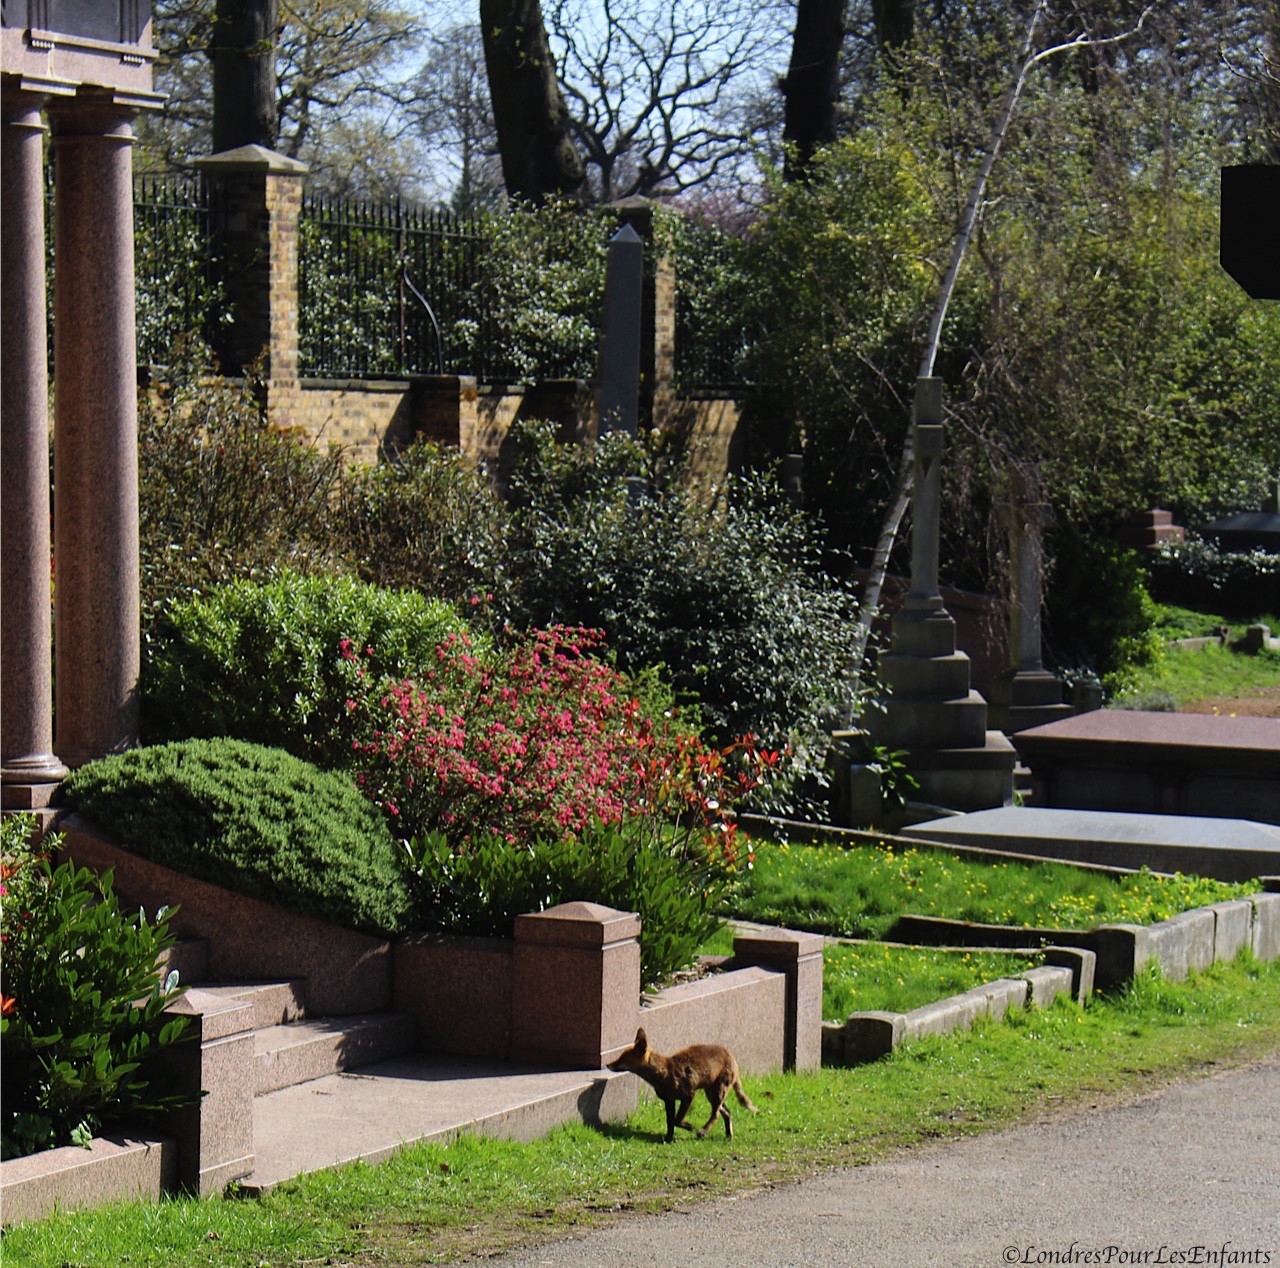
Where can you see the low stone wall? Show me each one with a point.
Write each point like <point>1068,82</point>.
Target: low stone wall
<point>347,972</point>
<point>566,991</point>
<point>871,1035</point>
<point>739,1008</point>
<point>112,1168</point>
<point>1186,943</point>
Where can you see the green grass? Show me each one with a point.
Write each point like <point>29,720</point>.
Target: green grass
<point>1175,622</point>
<point>860,891</point>
<point>864,977</point>
<point>435,1204</point>
<point>861,977</point>
<point>1185,674</point>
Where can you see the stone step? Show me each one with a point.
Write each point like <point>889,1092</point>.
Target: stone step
<point>306,1050</point>
<point>274,1003</point>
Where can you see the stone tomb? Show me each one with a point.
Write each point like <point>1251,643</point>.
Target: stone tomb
<point>1226,849</point>
<point>1157,763</point>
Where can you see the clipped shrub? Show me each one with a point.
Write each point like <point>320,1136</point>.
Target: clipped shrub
<point>670,883</point>
<point>725,591</point>
<point>427,519</point>
<point>1199,574</point>
<point>83,1028</point>
<point>262,661</point>
<point>255,820</point>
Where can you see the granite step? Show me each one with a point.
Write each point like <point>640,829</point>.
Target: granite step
<point>275,1003</point>
<point>305,1050</point>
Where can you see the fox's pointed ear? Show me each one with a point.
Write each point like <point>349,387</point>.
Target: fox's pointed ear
<point>642,1040</point>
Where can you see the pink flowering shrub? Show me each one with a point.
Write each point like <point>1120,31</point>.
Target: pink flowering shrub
<point>542,740</point>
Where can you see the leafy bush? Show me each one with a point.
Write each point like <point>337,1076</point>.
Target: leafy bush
<point>222,494</point>
<point>262,661</point>
<point>1198,574</point>
<point>255,820</point>
<point>1100,617</point>
<point>726,592</point>
<point>633,865</point>
<point>427,519</point>
<point>83,1020</point>
<point>542,739</point>
<point>538,297</point>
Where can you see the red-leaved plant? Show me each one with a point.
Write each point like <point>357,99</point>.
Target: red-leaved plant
<point>542,740</point>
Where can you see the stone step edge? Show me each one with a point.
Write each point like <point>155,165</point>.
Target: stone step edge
<point>302,1051</point>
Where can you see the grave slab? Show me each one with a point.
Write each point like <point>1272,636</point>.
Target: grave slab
<point>1226,849</point>
<point>1157,763</point>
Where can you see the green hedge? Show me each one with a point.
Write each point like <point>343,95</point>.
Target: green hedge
<point>255,820</point>
<point>263,661</point>
<point>1201,575</point>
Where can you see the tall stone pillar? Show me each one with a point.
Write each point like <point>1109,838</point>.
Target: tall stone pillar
<point>620,347</point>
<point>96,431</point>
<point>259,204</point>
<point>30,771</point>
<point>1026,694</point>
<point>932,714</point>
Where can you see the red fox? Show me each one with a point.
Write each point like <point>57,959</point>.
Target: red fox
<point>678,1078</point>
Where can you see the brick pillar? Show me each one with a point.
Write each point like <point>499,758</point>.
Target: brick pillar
<point>96,428</point>
<point>576,985</point>
<point>259,200</point>
<point>799,956</point>
<point>30,769</point>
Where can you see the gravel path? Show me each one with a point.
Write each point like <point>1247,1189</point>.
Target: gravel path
<point>1187,1175</point>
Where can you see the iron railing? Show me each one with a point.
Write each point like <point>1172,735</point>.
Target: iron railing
<point>383,288</point>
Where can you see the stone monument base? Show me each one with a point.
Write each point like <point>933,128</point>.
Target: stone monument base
<point>1020,699</point>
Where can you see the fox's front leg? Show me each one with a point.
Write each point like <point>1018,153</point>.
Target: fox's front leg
<point>670,1103</point>
<point>685,1102</point>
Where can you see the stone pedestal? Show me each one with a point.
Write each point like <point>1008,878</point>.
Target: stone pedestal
<point>799,956</point>
<point>215,1135</point>
<point>1026,694</point>
<point>576,985</point>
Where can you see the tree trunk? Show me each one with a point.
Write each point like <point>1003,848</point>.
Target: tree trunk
<point>812,84</point>
<point>244,74</point>
<point>538,155</point>
<point>902,490</point>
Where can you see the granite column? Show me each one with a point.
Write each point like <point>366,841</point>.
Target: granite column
<point>97,604</point>
<point>30,771</point>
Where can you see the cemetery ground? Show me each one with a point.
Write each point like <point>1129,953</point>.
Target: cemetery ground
<point>435,1204</point>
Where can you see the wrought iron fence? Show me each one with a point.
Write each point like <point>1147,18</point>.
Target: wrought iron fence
<point>386,290</point>
<point>176,264</point>
<point>717,329</point>
<point>381,288</point>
